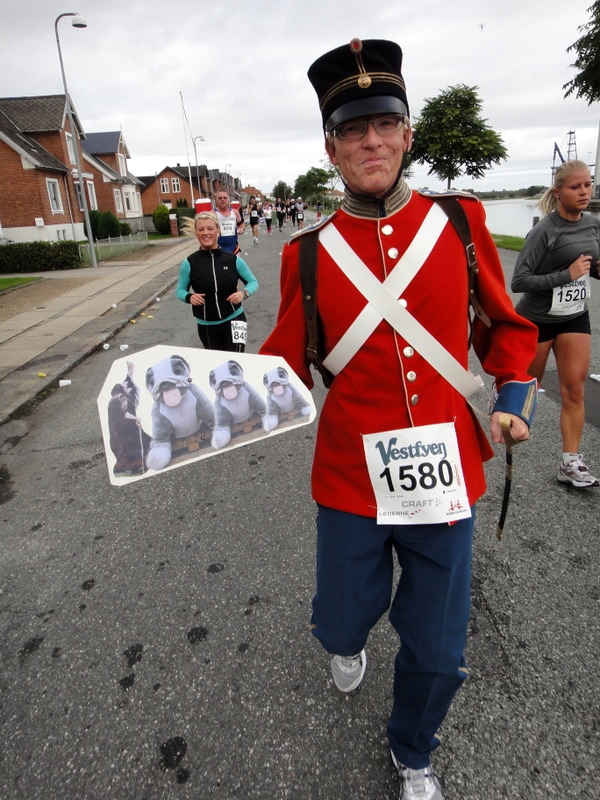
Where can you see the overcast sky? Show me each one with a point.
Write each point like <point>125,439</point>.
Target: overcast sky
<point>241,69</point>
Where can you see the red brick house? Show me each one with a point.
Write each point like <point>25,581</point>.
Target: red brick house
<point>39,184</point>
<point>117,190</point>
<point>172,184</point>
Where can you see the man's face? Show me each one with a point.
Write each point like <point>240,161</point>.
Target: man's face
<point>222,202</point>
<point>370,165</point>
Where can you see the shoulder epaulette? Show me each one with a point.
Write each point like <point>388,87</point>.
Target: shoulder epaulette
<point>315,227</point>
<point>454,193</point>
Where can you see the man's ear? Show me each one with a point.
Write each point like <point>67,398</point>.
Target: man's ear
<point>330,150</point>
<point>409,139</point>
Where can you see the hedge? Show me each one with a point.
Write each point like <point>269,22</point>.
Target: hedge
<point>183,212</point>
<point>39,256</point>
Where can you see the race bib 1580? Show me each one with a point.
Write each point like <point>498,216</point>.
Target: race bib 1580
<point>416,475</point>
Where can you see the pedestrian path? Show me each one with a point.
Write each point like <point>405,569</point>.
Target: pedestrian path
<point>38,346</point>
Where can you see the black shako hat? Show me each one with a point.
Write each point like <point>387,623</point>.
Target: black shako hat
<point>357,79</point>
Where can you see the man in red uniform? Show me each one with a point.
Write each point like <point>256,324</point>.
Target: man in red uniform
<point>399,456</point>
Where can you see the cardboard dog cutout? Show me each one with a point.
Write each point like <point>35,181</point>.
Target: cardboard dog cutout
<point>195,404</point>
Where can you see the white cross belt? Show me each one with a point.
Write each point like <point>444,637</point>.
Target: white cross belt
<point>382,303</point>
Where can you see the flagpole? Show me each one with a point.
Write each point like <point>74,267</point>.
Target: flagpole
<point>184,120</point>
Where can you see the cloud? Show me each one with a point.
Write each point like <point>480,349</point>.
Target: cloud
<point>242,72</point>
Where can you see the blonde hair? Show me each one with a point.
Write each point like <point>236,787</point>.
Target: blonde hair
<point>548,201</point>
<point>188,226</point>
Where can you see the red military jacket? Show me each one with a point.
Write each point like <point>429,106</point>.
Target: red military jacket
<point>387,385</point>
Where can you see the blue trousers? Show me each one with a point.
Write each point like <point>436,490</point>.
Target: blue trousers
<point>430,612</point>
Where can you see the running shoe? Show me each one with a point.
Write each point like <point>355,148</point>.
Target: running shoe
<point>348,671</point>
<point>417,784</point>
<point>576,473</point>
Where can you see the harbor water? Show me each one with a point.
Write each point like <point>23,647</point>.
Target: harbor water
<point>513,217</point>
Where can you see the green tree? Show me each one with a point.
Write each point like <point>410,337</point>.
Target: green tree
<point>94,222</point>
<point>586,83</point>
<point>451,136</point>
<point>281,189</point>
<point>108,225</point>
<point>313,184</point>
<point>160,218</point>
<point>333,179</point>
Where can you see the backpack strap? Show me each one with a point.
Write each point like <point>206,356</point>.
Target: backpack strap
<point>457,216</point>
<point>308,279</point>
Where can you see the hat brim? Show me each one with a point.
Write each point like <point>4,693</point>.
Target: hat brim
<point>383,104</point>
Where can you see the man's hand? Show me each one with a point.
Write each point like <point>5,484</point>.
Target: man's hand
<point>519,430</point>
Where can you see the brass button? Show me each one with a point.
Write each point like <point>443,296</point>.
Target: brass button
<point>411,376</point>
<point>392,252</point>
<point>387,230</point>
<point>408,352</point>
<point>414,399</point>
<point>403,302</point>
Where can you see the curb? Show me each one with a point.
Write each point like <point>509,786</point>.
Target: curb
<point>97,334</point>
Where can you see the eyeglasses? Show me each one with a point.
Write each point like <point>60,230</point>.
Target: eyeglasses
<point>356,128</point>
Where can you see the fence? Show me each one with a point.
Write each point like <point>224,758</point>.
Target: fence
<point>144,223</point>
<point>114,246</point>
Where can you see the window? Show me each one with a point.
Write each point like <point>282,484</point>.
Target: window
<point>164,186</point>
<point>70,147</point>
<point>78,193</point>
<point>175,185</point>
<point>54,196</point>
<point>122,164</point>
<point>92,195</point>
<point>127,201</point>
<point>118,201</point>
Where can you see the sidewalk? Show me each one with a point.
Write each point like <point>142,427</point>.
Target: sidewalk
<point>39,346</point>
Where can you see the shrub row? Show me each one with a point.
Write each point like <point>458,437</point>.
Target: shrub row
<point>160,217</point>
<point>105,224</point>
<point>39,256</point>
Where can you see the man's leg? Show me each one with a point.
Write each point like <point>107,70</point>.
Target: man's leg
<point>354,579</point>
<point>430,613</point>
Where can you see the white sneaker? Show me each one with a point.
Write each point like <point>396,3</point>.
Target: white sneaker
<point>417,784</point>
<point>576,473</point>
<point>348,671</point>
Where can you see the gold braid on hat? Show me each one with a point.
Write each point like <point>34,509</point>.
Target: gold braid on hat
<point>364,80</point>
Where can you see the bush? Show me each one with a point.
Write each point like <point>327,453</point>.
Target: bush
<point>109,225</point>
<point>161,220</point>
<point>94,222</point>
<point>183,214</point>
<point>125,229</point>
<point>39,256</point>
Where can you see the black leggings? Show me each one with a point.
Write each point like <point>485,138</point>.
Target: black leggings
<point>218,337</point>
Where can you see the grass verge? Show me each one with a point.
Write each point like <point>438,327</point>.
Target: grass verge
<point>508,242</point>
<point>11,283</point>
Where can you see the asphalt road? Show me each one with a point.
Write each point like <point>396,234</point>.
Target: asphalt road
<point>155,640</point>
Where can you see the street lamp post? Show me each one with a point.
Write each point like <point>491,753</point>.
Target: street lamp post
<point>77,22</point>
<point>227,177</point>
<point>202,139</point>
